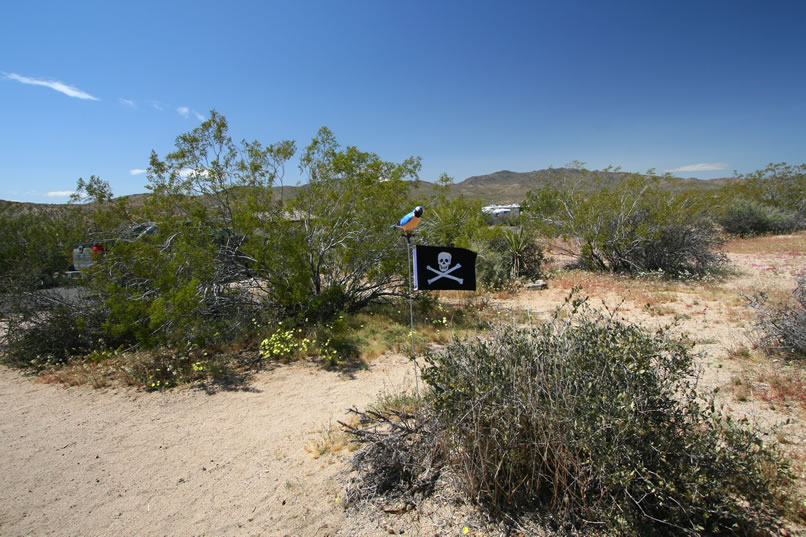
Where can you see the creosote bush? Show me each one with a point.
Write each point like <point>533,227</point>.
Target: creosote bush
<point>634,226</point>
<point>54,336</point>
<point>747,218</point>
<point>780,185</point>
<point>594,422</point>
<point>493,269</point>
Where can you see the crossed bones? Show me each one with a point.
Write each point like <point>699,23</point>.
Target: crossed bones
<point>446,274</point>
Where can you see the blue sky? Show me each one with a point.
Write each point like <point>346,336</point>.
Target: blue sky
<point>696,88</point>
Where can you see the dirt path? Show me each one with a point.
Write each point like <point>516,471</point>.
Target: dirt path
<point>79,462</point>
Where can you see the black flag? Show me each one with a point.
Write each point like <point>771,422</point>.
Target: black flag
<point>443,268</point>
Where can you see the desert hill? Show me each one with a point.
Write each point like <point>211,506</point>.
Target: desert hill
<point>511,187</point>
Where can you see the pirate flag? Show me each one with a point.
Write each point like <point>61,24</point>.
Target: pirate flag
<point>442,268</point>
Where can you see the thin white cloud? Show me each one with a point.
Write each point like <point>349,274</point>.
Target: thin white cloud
<point>157,105</point>
<point>70,91</point>
<point>60,194</point>
<point>701,167</point>
<point>137,171</point>
<point>186,112</point>
<point>127,102</point>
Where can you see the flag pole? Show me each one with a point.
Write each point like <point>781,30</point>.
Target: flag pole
<point>407,224</point>
<point>411,293</point>
<point>411,314</point>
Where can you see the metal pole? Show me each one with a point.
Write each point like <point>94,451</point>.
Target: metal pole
<point>411,315</point>
<point>411,291</point>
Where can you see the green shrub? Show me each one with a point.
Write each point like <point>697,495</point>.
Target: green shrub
<point>36,246</point>
<point>746,217</point>
<point>599,423</point>
<point>683,250</point>
<point>493,269</point>
<point>342,249</point>
<point>632,226</point>
<point>457,222</point>
<point>55,336</point>
<point>781,186</point>
<point>168,289</point>
<point>505,256</point>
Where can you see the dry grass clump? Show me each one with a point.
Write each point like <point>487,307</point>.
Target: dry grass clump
<point>84,373</point>
<point>785,388</point>
<point>778,383</point>
<point>781,326</point>
<point>151,370</point>
<point>402,458</point>
<point>331,439</point>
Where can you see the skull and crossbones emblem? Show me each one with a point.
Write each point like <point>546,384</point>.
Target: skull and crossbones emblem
<point>445,268</point>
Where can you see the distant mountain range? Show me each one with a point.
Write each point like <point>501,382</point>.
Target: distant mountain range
<point>511,187</point>
<point>495,188</point>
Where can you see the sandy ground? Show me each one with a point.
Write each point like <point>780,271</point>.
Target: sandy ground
<point>79,462</point>
<point>84,462</point>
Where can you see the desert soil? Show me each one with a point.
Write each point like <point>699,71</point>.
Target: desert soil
<point>83,462</point>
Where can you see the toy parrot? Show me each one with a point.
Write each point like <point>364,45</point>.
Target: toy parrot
<point>410,221</point>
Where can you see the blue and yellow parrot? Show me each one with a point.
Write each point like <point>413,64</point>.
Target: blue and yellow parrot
<point>410,221</point>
